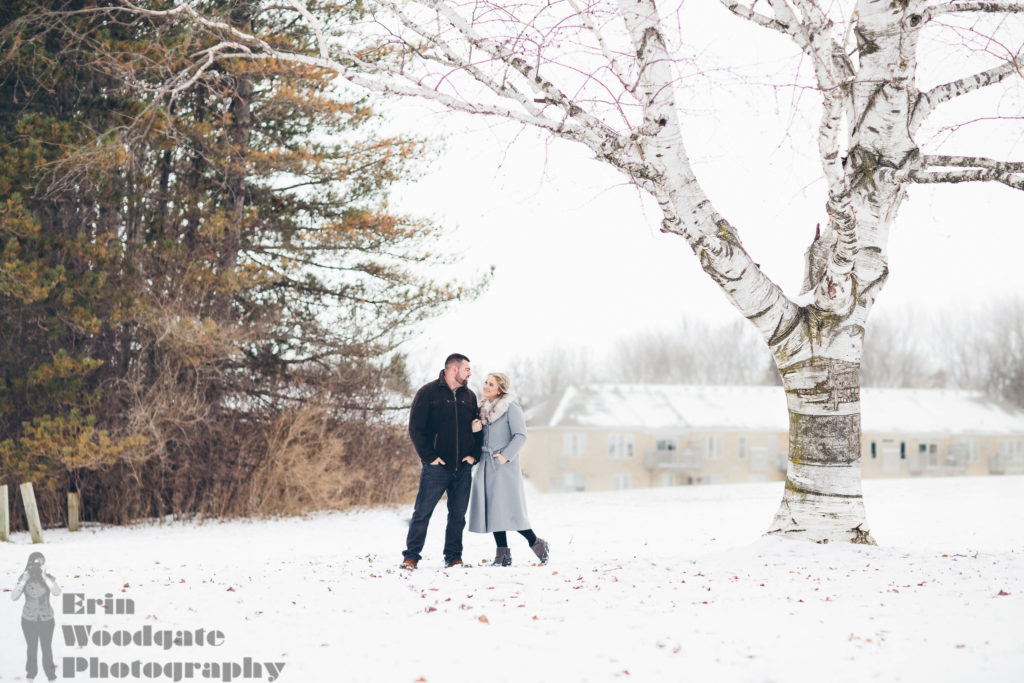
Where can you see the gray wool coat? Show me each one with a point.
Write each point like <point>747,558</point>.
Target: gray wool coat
<point>496,502</point>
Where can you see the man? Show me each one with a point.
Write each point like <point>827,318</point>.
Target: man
<point>441,427</point>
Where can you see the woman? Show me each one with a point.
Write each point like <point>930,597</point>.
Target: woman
<point>37,615</point>
<point>497,503</point>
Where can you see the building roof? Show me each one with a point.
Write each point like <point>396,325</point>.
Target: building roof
<point>671,408</point>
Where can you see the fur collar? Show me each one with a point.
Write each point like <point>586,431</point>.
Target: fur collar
<point>492,410</point>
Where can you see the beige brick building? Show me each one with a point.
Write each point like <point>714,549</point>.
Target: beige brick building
<point>613,436</point>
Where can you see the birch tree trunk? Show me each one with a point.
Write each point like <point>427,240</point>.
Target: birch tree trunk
<point>822,501</point>
<point>820,361</point>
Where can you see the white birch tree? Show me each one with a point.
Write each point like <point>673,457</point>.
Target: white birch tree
<point>602,74</point>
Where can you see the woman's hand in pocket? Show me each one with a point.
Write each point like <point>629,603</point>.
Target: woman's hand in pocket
<point>501,458</point>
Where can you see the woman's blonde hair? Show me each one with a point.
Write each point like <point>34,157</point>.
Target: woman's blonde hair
<point>504,383</point>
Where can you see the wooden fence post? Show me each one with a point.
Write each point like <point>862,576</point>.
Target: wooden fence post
<point>74,505</point>
<point>35,527</point>
<point>5,514</point>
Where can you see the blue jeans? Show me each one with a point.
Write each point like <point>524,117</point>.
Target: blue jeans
<point>436,480</point>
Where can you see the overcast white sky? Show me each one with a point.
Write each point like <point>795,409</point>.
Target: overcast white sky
<point>579,258</point>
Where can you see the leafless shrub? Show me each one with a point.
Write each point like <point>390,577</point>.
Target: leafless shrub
<point>313,463</point>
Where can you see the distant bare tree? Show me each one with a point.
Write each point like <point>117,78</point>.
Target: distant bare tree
<point>899,351</point>
<point>959,347</point>
<point>981,349</point>
<point>694,352</point>
<point>991,356</point>
<point>538,378</point>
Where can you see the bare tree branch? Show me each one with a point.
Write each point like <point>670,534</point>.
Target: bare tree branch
<point>593,130</point>
<point>812,35</point>
<point>954,7</point>
<point>834,106</point>
<point>614,63</point>
<point>949,91</point>
<point>973,162</point>
<point>748,13</point>
<point>688,211</point>
<point>314,25</point>
<point>1014,180</point>
<point>832,68</point>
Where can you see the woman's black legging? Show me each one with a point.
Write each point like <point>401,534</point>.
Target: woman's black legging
<point>502,540</point>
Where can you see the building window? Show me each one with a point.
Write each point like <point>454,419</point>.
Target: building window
<point>964,452</point>
<point>665,444</point>
<point>709,447</point>
<point>1009,448</point>
<point>891,455</point>
<point>742,447</point>
<point>574,445</point>
<point>620,446</point>
<point>762,458</point>
<point>569,482</point>
<point>667,479</point>
<point>874,451</point>
<point>928,454</point>
<point>1009,460</point>
<point>620,482</point>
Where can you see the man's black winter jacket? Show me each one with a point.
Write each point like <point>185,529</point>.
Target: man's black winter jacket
<point>441,424</point>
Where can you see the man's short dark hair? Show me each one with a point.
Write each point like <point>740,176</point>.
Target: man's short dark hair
<point>455,359</point>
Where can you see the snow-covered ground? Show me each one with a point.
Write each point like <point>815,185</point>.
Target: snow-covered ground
<point>649,585</point>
